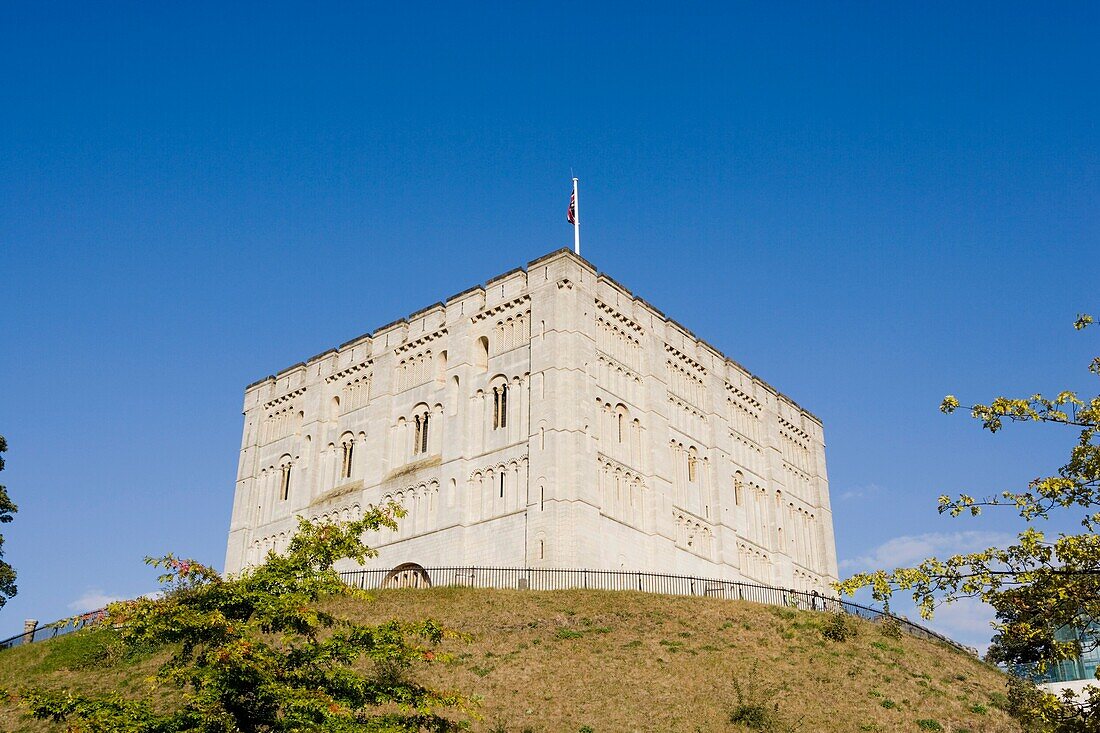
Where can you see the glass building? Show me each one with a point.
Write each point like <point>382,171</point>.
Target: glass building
<point>1072,670</point>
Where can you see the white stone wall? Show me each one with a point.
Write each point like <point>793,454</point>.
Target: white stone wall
<point>569,424</point>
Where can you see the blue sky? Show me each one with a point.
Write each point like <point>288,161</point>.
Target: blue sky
<point>869,205</point>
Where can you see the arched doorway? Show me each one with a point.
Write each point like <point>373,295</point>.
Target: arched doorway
<point>407,575</point>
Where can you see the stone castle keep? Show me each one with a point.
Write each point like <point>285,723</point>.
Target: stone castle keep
<point>549,418</point>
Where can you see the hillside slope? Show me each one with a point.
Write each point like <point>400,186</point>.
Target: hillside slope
<point>614,662</point>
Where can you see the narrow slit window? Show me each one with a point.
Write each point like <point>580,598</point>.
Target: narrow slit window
<point>345,468</point>
<point>284,488</point>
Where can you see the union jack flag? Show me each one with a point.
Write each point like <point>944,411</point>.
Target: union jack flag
<point>571,217</point>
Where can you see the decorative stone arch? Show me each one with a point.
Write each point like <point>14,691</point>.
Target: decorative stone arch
<point>621,429</point>
<point>453,390</point>
<point>286,463</point>
<point>441,367</point>
<point>421,428</point>
<point>347,447</point>
<point>407,575</point>
<point>481,353</point>
<point>540,546</point>
<point>499,389</point>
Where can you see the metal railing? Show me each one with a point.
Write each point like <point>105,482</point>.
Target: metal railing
<point>678,585</point>
<point>564,579</point>
<point>57,628</point>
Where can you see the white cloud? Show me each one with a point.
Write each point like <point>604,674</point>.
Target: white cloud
<point>966,621</point>
<point>93,600</point>
<point>860,492</point>
<point>909,550</point>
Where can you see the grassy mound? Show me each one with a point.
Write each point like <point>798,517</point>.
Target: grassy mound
<point>613,662</point>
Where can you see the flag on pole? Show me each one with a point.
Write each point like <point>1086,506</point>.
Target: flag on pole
<point>575,220</point>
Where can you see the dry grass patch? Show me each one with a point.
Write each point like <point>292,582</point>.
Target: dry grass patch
<point>617,661</point>
<point>627,661</point>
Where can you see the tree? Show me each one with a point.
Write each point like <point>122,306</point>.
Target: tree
<point>7,508</point>
<point>258,652</point>
<point>1040,587</point>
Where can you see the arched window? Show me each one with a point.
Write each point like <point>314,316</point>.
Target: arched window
<point>420,432</point>
<point>692,460</point>
<point>619,425</point>
<point>284,480</point>
<point>500,406</point>
<point>347,445</point>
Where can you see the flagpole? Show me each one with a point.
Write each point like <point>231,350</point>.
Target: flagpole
<point>576,220</point>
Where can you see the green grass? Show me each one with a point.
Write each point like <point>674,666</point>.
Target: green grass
<point>548,662</point>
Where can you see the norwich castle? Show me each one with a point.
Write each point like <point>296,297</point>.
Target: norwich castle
<point>548,419</point>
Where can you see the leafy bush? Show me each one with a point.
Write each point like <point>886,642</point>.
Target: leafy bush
<point>929,724</point>
<point>256,653</point>
<point>755,716</point>
<point>840,627</point>
<point>756,707</point>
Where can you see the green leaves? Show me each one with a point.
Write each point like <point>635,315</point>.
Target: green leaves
<point>8,588</point>
<point>1045,592</point>
<point>258,652</point>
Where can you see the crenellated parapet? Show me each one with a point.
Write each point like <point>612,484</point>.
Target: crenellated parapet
<point>546,417</point>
